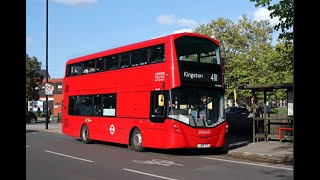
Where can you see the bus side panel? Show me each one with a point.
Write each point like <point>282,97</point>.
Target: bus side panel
<point>70,126</point>
<point>113,129</point>
<point>139,104</point>
<point>98,128</point>
<point>132,110</point>
<point>66,127</point>
<point>153,134</point>
<point>133,105</point>
<point>116,130</point>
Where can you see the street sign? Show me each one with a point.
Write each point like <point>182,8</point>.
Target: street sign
<point>49,87</point>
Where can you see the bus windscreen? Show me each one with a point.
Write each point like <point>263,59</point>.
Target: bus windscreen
<point>195,49</point>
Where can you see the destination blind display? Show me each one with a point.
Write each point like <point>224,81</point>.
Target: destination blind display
<point>205,77</point>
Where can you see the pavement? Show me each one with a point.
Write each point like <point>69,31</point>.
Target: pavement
<point>262,151</point>
<point>237,146</point>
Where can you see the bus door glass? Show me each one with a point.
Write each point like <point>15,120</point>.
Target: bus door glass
<point>157,109</point>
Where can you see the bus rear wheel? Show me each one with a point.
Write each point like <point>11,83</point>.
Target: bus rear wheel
<point>136,140</point>
<point>84,134</point>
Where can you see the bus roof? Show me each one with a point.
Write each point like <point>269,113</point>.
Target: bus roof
<point>137,45</point>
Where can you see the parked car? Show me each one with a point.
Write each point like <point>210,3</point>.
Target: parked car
<point>238,120</point>
<point>31,117</point>
<point>237,111</point>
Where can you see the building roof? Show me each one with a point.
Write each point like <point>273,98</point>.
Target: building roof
<point>44,74</point>
<point>55,80</point>
<point>267,87</point>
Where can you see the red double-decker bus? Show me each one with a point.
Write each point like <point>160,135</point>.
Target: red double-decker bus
<point>164,93</point>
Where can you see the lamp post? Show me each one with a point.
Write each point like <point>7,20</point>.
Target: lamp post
<point>47,74</point>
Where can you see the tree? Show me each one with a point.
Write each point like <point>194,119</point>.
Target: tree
<point>33,78</point>
<point>284,10</point>
<point>241,45</point>
<point>248,54</point>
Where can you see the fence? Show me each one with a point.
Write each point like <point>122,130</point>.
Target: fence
<point>266,126</point>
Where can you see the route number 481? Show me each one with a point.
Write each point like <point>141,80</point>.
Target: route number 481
<point>214,77</point>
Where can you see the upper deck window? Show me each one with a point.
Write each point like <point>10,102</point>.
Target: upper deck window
<point>89,67</point>
<point>100,64</point>
<point>125,60</point>
<point>157,54</point>
<point>136,57</point>
<point>75,69</point>
<point>139,57</point>
<point>197,49</point>
<point>112,62</point>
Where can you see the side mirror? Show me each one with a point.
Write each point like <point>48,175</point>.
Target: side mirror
<point>161,100</point>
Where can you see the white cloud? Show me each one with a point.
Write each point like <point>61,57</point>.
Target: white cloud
<point>166,19</point>
<point>29,40</point>
<point>264,14</point>
<point>187,22</point>
<point>181,31</point>
<point>76,2</point>
<point>171,20</point>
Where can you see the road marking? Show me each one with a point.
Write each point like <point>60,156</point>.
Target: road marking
<point>157,162</point>
<point>67,156</point>
<point>27,146</point>
<point>253,164</point>
<point>148,174</point>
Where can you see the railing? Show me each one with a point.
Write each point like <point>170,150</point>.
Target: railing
<point>266,127</point>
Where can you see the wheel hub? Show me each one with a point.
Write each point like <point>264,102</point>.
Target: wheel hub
<point>137,140</point>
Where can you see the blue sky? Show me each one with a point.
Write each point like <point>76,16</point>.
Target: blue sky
<point>80,27</point>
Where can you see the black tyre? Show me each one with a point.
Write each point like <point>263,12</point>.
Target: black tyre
<point>32,120</point>
<point>136,140</point>
<point>84,134</point>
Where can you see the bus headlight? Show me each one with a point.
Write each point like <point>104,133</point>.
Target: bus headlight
<point>226,128</point>
<point>175,127</point>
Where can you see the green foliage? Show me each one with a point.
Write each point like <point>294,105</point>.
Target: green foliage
<point>280,110</point>
<point>284,10</point>
<point>33,77</point>
<point>249,56</point>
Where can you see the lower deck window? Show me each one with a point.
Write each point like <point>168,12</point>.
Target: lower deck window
<point>93,105</point>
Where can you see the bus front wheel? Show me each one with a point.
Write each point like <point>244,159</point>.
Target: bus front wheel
<point>84,134</point>
<point>136,140</point>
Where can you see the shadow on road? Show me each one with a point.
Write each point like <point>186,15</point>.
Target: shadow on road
<point>237,141</point>
<point>106,143</point>
<point>181,152</point>
<point>30,131</point>
<point>189,152</point>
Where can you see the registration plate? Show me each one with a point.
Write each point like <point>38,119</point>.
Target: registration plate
<point>203,145</point>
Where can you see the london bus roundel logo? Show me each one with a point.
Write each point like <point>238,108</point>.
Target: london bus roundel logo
<point>112,129</point>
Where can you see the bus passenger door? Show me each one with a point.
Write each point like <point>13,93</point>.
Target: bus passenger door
<point>157,109</point>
